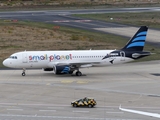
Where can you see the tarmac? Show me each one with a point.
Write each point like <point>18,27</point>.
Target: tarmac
<point>43,95</point>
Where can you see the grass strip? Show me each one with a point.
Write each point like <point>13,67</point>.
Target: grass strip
<point>112,41</point>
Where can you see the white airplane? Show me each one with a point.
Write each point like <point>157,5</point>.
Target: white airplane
<point>156,115</point>
<point>66,62</point>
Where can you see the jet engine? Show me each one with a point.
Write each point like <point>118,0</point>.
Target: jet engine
<point>62,69</point>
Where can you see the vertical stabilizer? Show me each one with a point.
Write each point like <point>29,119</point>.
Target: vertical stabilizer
<point>137,42</point>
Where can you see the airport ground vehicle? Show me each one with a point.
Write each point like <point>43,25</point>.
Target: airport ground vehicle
<point>85,102</point>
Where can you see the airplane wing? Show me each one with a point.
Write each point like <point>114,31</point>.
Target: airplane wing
<point>75,63</point>
<point>156,115</point>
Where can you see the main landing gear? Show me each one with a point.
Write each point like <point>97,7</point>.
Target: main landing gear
<point>78,73</point>
<point>23,73</point>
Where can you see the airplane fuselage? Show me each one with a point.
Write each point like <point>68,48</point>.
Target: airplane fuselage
<point>46,59</point>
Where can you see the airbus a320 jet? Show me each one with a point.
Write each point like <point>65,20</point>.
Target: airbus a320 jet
<point>66,62</point>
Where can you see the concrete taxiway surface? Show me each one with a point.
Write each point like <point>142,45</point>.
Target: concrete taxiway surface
<point>42,95</point>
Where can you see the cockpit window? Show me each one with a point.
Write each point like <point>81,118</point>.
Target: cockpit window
<point>13,57</point>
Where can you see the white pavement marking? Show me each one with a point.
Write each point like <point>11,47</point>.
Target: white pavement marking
<point>56,105</point>
<point>4,106</point>
<point>156,115</point>
<point>16,109</point>
<point>81,111</point>
<point>156,10</point>
<point>47,110</point>
<point>60,117</point>
<point>115,112</point>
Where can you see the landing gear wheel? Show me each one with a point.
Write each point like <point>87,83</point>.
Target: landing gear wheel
<point>78,73</point>
<point>90,106</point>
<point>23,74</point>
<point>74,105</point>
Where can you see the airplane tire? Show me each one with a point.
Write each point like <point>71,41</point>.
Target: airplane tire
<point>23,74</point>
<point>78,73</point>
<point>74,105</point>
<point>90,106</point>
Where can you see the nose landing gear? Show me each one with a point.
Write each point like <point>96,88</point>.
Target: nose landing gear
<point>23,73</point>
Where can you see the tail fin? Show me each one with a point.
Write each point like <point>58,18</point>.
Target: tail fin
<point>137,42</point>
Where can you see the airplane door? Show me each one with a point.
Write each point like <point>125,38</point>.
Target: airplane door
<point>122,53</point>
<point>24,58</point>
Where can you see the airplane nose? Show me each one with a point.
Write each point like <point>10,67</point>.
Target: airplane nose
<point>5,63</point>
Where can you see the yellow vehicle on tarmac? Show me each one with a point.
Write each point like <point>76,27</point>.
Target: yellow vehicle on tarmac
<point>85,102</point>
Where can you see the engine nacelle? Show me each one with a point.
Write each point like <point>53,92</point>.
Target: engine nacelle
<point>62,69</point>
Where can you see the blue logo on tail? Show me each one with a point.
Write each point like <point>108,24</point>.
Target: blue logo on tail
<point>139,40</point>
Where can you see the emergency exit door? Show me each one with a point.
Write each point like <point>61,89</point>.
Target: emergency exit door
<point>24,58</point>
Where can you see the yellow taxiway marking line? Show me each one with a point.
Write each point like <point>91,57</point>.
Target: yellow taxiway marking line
<point>82,82</point>
<point>48,84</point>
<point>67,81</point>
<point>71,81</point>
